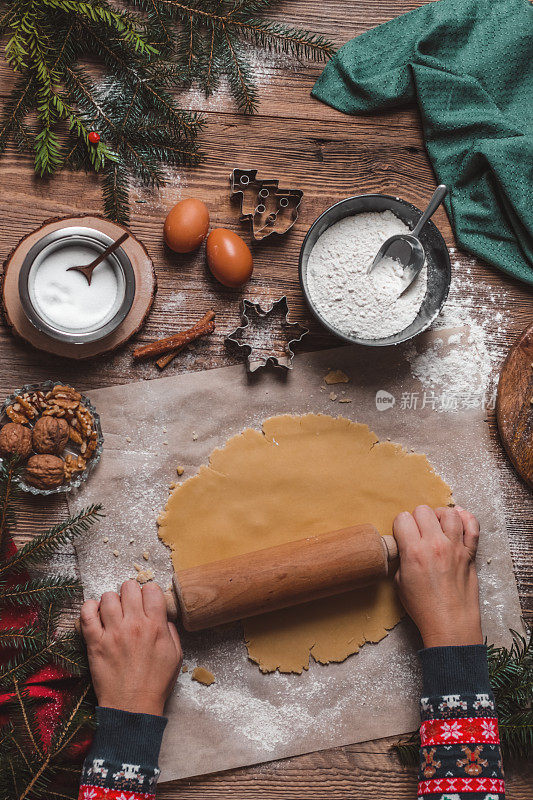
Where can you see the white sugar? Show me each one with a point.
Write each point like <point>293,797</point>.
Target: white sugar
<point>64,298</point>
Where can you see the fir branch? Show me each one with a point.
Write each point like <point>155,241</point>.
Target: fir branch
<point>408,749</point>
<point>26,639</point>
<point>15,109</point>
<point>64,651</point>
<point>127,30</point>
<point>148,49</point>
<point>40,593</point>
<point>25,715</point>
<point>115,193</point>
<point>45,544</point>
<point>240,78</point>
<point>10,471</point>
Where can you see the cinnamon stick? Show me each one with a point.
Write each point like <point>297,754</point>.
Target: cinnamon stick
<point>177,341</point>
<point>165,360</point>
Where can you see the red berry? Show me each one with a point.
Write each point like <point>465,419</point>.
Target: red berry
<point>94,137</point>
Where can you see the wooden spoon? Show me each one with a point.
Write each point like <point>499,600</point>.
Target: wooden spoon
<point>88,270</point>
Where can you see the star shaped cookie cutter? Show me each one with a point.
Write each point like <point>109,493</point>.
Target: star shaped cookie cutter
<point>269,208</point>
<point>266,336</point>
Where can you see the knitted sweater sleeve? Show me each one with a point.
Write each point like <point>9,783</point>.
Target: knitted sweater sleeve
<point>459,758</point>
<point>460,755</point>
<point>122,762</point>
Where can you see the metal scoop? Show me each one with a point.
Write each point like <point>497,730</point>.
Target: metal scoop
<point>406,248</point>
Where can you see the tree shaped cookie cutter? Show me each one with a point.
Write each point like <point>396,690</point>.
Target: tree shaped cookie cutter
<point>266,336</point>
<point>269,208</point>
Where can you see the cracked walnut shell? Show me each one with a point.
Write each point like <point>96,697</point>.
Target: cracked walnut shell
<point>15,439</point>
<point>50,435</point>
<point>45,471</point>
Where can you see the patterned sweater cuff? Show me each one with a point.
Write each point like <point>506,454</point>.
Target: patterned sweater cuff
<point>123,736</point>
<point>455,670</point>
<point>122,763</point>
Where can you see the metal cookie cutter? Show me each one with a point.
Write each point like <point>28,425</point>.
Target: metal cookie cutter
<point>269,208</point>
<point>266,335</point>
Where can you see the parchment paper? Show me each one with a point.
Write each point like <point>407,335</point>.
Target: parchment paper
<point>246,717</point>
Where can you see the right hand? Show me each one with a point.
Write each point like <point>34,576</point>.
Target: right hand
<point>134,652</point>
<point>436,579</point>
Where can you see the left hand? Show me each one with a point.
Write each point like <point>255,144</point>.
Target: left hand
<point>134,652</point>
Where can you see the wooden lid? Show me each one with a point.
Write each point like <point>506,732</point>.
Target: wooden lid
<point>145,289</point>
<point>515,405</point>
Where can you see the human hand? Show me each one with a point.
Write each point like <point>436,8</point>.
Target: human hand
<point>134,652</point>
<point>436,579</point>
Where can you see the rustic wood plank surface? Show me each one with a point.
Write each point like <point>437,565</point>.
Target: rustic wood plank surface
<point>329,156</point>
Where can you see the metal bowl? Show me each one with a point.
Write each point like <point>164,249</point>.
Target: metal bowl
<point>96,241</point>
<point>437,259</point>
<point>79,477</point>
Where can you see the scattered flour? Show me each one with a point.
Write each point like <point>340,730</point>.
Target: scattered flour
<point>461,363</point>
<point>286,709</point>
<point>352,301</point>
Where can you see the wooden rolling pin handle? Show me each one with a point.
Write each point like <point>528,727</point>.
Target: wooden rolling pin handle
<point>172,605</point>
<point>282,576</point>
<point>391,548</point>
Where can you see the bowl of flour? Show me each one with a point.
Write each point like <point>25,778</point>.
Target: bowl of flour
<point>364,308</point>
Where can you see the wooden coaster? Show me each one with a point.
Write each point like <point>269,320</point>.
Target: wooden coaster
<point>515,407</point>
<point>145,289</point>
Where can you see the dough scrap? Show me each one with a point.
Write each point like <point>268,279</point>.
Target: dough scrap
<point>336,376</point>
<point>202,675</point>
<point>302,475</point>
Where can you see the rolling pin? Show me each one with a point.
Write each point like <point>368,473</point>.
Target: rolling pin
<point>278,577</point>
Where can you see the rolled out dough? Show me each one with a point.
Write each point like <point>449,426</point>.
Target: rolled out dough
<point>300,476</point>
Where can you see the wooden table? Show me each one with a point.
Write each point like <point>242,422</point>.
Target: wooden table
<point>329,156</point>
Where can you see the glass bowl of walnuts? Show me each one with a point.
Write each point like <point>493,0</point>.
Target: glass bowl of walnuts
<point>55,434</point>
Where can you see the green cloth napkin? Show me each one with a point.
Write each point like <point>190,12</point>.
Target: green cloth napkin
<point>469,66</point>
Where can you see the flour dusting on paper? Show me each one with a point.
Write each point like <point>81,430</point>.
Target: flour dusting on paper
<point>368,696</point>
<point>458,364</point>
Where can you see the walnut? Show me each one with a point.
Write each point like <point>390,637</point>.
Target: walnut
<point>16,414</point>
<point>50,435</point>
<point>73,464</point>
<point>85,420</point>
<point>45,471</point>
<point>74,434</point>
<point>15,439</point>
<point>65,393</point>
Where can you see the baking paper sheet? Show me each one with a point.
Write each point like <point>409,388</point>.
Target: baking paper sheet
<point>246,717</point>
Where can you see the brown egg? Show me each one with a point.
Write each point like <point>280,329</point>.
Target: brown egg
<point>186,225</point>
<point>229,258</point>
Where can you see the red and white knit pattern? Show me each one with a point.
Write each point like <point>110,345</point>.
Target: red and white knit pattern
<point>102,793</point>
<point>455,785</point>
<point>462,730</point>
